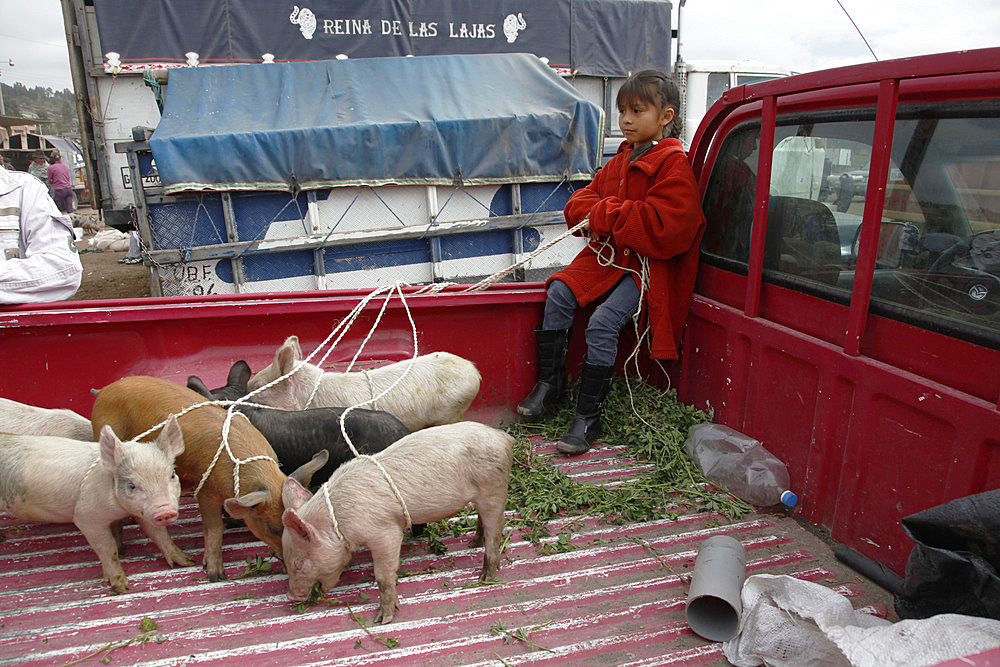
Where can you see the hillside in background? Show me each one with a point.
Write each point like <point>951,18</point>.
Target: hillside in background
<point>55,105</point>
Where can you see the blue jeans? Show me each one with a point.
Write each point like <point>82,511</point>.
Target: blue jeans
<point>618,306</point>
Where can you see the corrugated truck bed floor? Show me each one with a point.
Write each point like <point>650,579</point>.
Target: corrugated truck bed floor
<point>616,595</point>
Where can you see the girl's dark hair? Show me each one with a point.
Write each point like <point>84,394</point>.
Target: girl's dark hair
<point>654,87</point>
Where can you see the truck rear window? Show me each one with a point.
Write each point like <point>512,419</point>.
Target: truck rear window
<point>938,257</point>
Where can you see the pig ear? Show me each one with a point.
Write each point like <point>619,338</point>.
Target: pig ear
<point>112,450</point>
<point>288,354</point>
<point>293,494</point>
<point>303,474</point>
<point>244,506</point>
<point>195,383</point>
<point>300,528</point>
<point>171,438</point>
<point>239,376</point>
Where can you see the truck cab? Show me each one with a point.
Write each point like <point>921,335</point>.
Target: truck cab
<point>702,82</point>
<point>860,333</point>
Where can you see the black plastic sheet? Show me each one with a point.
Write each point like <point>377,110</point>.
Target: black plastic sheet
<point>953,567</point>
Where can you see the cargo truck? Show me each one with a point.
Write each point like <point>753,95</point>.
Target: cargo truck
<point>197,240</point>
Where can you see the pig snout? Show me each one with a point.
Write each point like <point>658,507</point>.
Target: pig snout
<point>164,516</point>
<point>302,595</point>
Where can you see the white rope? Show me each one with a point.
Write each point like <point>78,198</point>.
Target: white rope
<point>497,277</point>
<point>371,391</point>
<point>433,288</point>
<point>392,485</point>
<point>643,280</point>
<point>223,444</point>
<point>333,517</point>
<point>90,468</point>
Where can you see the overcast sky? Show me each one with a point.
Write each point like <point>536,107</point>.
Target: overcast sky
<point>802,35</point>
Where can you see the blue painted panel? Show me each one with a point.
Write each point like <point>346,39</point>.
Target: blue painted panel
<point>187,224</point>
<point>534,197</point>
<point>367,256</point>
<point>496,242</point>
<point>255,213</point>
<point>271,266</point>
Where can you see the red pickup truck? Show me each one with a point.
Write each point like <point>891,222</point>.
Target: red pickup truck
<point>861,346</point>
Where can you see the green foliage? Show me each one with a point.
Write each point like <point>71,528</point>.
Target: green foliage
<point>518,635</point>
<point>43,103</point>
<point>316,596</point>
<point>256,565</point>
<point>651,425</point>
<point>147,628</point>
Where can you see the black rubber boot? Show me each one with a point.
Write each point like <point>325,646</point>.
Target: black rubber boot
<point>586,426</point>
<point>551,382</point>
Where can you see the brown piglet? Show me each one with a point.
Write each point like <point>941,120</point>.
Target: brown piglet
<point>133,405</point>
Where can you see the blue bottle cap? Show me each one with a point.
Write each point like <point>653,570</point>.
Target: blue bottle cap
<point>788,498</point>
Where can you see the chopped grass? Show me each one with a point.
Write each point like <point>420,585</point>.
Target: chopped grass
<point>653,431</point>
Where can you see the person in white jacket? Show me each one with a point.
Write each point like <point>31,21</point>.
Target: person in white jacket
<point>45,265</point>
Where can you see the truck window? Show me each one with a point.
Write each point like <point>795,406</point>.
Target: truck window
<point>747,79</point>
<point>817,189</point>
<point>938,255</point>
<point>729,197</point>
<point>938,261</point>
<point>718,83</point>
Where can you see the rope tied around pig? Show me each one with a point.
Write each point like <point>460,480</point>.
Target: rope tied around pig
<point>223,446</point>
<point>340,330</point>
<point>344,326</point>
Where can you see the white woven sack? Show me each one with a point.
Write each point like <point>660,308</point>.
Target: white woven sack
<point>787,621</point>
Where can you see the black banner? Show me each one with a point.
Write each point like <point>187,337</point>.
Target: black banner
<point>596,37</point>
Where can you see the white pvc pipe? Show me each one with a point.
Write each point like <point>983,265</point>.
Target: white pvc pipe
<point>714,607</point>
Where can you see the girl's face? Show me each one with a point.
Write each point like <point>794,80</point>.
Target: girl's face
<point>642,122</point>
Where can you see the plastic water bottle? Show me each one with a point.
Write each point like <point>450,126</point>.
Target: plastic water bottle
<point>740,464</point>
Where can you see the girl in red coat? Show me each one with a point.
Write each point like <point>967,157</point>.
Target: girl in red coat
<point>645,226</point>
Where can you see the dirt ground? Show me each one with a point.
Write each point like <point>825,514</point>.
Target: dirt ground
<point>103,276</point>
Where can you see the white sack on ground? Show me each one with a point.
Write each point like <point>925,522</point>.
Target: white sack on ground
<point>791,622</point>
<point>111,240</point>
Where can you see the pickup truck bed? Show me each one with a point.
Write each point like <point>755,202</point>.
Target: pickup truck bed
<point>615,594</point>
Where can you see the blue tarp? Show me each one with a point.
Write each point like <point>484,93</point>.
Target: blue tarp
<point>374,121</point>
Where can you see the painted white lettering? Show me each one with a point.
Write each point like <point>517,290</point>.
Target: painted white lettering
<point>423,30</point>
<point>327,27</point>
<point>472,30</point>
